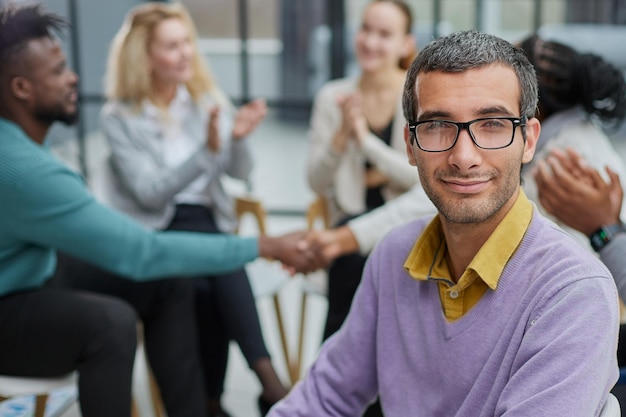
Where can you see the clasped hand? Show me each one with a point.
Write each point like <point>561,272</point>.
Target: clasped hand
<point>306,251</point>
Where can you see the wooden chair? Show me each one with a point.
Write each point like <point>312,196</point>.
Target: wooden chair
<point>317,211</point>
<point>13,387</point>
<point>248,205</point>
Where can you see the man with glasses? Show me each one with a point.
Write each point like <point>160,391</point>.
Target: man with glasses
<point>488,309</point>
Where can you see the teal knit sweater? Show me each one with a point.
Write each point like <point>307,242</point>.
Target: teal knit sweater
<point>44,206</point>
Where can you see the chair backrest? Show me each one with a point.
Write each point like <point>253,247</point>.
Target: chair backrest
<point>318,209</point>
<point>611,407</point>
<point>251,206</point>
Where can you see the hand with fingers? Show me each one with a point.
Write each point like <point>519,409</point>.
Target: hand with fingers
<point>329,244</point>
<point>293,250</point>
<point>214,141</point>
<point>248,118</point>
<point>576,193</point>
<point>353,122</point>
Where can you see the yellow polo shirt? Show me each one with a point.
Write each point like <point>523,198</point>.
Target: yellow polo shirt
<point>427,260</point>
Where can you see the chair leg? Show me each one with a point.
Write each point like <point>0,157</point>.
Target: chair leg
<point>298,364</point>
<point>40,405</point>
<point>157,402</point>
<point>283,339</point>
<point>133,409</point>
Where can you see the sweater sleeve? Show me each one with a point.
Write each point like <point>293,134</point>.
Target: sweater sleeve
<point>566,363</point>
<point>342,381</point>
<point>389,160</point>
<point>323,160</point>
<point>613,257</point>
<point>370,227</point>
<point>52,209</point>
<point>151,184</point>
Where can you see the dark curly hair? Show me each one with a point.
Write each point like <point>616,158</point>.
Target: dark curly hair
<point>568,78</point>
<point>20,24</point>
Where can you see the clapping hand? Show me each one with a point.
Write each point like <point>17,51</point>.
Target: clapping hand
<point>214,141</point>
<point>576,193</point>
<point>248,117</point>
<point>353,122</point>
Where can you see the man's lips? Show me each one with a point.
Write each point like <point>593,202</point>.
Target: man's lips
<point>467,186</point>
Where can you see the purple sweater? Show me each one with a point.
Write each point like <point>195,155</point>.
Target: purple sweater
<point>543,343</point>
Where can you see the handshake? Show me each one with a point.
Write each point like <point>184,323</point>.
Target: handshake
<point>308,251</point>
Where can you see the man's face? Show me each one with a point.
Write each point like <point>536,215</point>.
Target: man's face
<point>468,184</point>
<point>52,93</point>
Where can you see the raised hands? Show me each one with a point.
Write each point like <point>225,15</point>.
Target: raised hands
<point>214,141</point>
<point>576,194</point>
<point>354,124</point>
<point>248,118</point>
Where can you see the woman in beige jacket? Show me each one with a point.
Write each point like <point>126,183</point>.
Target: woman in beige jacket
<point>357,159</point>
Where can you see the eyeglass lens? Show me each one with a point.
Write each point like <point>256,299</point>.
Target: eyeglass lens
<point>440,135</point>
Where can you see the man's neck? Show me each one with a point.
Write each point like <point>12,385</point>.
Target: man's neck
<point>465,240</point>
<point>34,129</point>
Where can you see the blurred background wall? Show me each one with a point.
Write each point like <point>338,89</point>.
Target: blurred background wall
<point>284,50</point>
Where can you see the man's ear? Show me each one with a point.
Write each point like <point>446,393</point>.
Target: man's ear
<point>21,88</point>
<point>410,149</point>
<point>533,129</point>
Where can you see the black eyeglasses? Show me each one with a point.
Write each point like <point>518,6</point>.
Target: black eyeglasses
<point>486,133</point>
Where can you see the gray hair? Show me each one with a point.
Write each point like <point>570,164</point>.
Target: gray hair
<point>462,51</point>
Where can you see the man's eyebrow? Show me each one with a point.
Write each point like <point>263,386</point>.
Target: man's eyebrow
<point>486,111</point>
<point>494,111</point>
<point>435,114</point>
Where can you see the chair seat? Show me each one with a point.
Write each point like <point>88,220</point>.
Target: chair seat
<point>23,395</point>
<point>12,386</point>
<point>611,407</point>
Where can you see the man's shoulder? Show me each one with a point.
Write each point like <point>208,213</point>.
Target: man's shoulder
<point>19,156</point>
<point>552,252</point>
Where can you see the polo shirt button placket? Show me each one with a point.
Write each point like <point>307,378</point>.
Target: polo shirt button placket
<point>454,294</point>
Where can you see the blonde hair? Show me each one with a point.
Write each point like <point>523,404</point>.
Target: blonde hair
<point>128,75</point>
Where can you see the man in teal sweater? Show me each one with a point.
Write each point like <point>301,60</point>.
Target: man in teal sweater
<point>48,331</point>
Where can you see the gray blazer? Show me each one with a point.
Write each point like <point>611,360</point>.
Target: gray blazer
<point>136,179</point>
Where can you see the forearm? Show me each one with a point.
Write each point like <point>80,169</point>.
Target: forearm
<point>390,161</point>
<point>153,186</point>
<point>63,216</point>
<point>322,166</point>
<point>240,162</point>
<point>369,228</point>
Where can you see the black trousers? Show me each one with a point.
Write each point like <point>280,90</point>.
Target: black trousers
<point>344,277</point>
<point>55,330</point>
<point>165,308</point>
<point>225,308</point>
